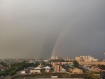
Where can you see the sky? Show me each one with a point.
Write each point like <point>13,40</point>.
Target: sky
<point>45,28</point>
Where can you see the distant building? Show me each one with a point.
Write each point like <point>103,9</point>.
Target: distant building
<point>54,76</point>
<point>3,68</point>
<point>23,72</point>
<point>104,60</point>
<point>46,60</point>
<point>91,63</point>
<point>72,69</point>
<point>53,64</point>
<point>79,58</point>
<point>57,68</point>
<point>63,70</point>
<point>67,59</point>
<point>75,70</point>
<point>71,63</point>
<point>56,58</point>
<point>85,58</point>
<point>53,58</point>
<point>35,70</point>
<point>47,69</point>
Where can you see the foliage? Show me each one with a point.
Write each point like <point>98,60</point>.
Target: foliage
<point>16,67</point>
<point>48,65</point>
<point>101,67</point>
<point>13,72</point>
<point>93,76</point>
<point>58,60</point>
<point>97,72</point>
<point>76,64</point>
<point>3,64</point>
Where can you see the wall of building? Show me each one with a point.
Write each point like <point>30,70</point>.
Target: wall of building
<point>57,68</point>
<point>75,70</point>
<point>47,70</point>
<point>23,72</point>
<point>91,63</point>
<point>85,58</point>
<point>34,71</point>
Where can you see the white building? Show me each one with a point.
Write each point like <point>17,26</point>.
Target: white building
<point>63,70</point>
<point>46,60</point>
<point>23,72</point>
<point>54,57</point>
<point>35,70</point>
<point>47,69</point>
<point>85,58</point>
<point>89,58</point>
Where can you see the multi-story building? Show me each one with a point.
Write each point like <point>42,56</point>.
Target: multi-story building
<point>72,69</point>
<point>36,70</point>
<point>57,68</point>
<point>85,58</point>
<point>47,69</point>
<point>67,59</point>
<point>56,58</point>
<point>77,58</point>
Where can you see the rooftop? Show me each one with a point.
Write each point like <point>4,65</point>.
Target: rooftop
<point>71,66</point>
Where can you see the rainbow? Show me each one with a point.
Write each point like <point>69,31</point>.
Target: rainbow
<point>58,39</point>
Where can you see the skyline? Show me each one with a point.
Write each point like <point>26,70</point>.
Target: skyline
<point>40,29</point>
<point>53,57</point>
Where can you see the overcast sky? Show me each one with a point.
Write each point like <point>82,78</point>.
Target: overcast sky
<point>36,28</point>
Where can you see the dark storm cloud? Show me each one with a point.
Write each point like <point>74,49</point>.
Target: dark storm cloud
<point>30,28</point>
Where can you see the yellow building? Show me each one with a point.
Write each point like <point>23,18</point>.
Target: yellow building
<point>73,69</point>
<point>91,63</point>
<point>79,58</point>
<point>57,68</point>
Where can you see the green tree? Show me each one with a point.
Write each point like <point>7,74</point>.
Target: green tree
<point>3,64</point>
<point>76,64</point>
<point>12,73</point>
<point>101,67</point>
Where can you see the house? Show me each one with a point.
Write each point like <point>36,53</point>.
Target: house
<point>47,69</point>
<point>73,69</point>
<point>3,68</point>
<point>23,72</point>
<point>63,70</point>
<point>57,68</point>
<point>35,70</point>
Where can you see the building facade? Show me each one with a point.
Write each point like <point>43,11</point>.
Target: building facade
<point>85,58</point>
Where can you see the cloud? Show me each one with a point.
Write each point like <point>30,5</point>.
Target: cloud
<point>31,28</point>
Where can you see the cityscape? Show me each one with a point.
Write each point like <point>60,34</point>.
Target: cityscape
<point>52,39</point>
<point>55,67</point>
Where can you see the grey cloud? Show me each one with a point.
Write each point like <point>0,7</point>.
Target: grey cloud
<point>30,28</point>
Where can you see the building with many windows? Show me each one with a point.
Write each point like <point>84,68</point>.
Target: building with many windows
<point>85,58</point>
